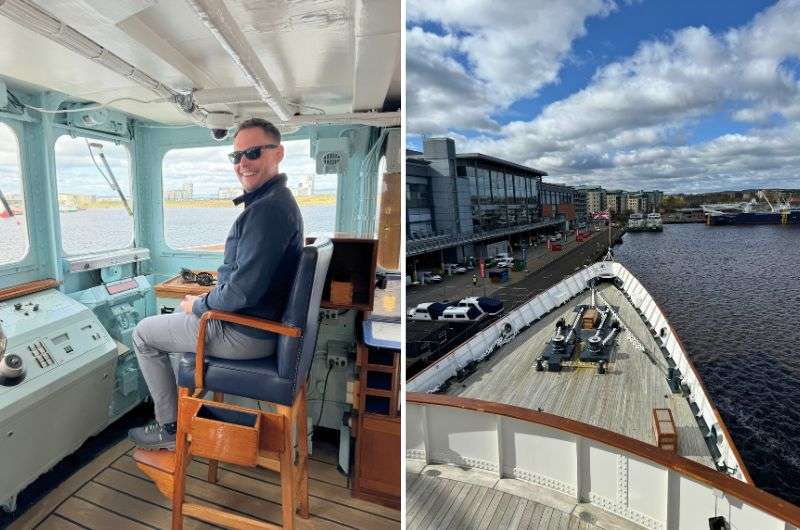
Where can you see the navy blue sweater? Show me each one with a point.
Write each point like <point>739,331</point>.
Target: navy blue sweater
<point>261,256</point>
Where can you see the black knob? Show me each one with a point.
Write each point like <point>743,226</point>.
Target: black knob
<point>18,306</point>
<point>13,361</point>
<point>36,307</point>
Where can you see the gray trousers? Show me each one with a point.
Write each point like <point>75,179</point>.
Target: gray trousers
<point>155,337</point>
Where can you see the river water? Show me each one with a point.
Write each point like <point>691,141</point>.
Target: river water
<point>733,296</point>
<point>100,229</point>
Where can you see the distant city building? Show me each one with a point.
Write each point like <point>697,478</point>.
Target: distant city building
<point>306,185</point>
<point>228,193</point>
<point>654,199</point>
<point>185,193</point>
<point>636,203</point>
<point>595,198</point>
<point>617,201</point>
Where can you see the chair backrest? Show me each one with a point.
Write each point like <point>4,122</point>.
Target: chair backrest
<point>296,354</point>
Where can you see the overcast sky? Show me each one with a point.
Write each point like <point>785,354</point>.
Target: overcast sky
<point>207,168</point>
<point>679,95</point>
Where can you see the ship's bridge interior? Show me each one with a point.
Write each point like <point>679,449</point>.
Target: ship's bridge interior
<point>116,119</point>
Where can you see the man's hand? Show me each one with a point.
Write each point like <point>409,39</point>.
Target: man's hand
<point>188,302</point>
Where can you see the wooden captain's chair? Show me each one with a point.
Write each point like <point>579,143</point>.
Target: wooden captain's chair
<point>221,431</point>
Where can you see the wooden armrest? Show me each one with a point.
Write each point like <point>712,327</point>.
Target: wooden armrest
<point>252,322</point>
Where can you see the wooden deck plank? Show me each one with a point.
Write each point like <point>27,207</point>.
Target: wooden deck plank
<point>414,503</point>
<point>536,516</point>
<point>460,503</point>
<point>547,516</point>
<point>504,521</point>
<point>428,503</point>
<point>527,515</point>
<point>477,508</point>
<point>444,506</point>
<point>621,400</point>
<point>56,522</point>
<point>320,488</point>
<point>143,491</point>
<point>344,513</point>
<point>134,508</point>
<point>42,509</point>
<point>92,516</point>
<point>516,518</point>
<point>467,492</point>
<point>484,516</point>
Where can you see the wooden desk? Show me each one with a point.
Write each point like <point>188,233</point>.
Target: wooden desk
<point>170,293</point>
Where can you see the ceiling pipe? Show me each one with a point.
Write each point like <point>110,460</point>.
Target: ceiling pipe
<point>30,16</point>
<point>222,25</point>
<point>375,119</point>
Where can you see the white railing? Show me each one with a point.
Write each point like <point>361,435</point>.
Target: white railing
<point>430,379</point>
<point>651,487</point>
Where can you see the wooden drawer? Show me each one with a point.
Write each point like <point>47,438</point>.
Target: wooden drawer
<point>226,434</point>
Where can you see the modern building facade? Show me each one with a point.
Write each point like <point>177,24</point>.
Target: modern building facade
<point>581,207</point>
<point>558,199</point>
<point>595,199</point>
<point>617,201</point>
<point>463,206</point>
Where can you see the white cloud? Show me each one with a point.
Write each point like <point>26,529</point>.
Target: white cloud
<point>511,50</point>
<point>632,123</point>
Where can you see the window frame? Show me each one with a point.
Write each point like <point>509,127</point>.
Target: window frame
<point>27,261</point>
<point>127,145</point>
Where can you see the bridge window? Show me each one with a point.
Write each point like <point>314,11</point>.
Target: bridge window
<point>94,195</point>
<point>199,184</point>
<point>13,228</point>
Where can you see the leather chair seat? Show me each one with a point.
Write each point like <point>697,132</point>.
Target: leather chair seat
<point>256,378</point>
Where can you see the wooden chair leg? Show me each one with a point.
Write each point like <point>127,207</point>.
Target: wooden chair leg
<point>302,447</point>
<point>213,465</point>
<point>179,474</point>
<point>287,469</point>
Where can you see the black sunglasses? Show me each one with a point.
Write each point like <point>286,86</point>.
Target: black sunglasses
<point>252,153</point>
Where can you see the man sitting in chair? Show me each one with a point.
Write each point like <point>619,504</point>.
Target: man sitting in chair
<point>261,257</point>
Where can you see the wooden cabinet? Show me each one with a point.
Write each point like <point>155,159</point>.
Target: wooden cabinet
<point>350,283</point>
<point>378,458</point>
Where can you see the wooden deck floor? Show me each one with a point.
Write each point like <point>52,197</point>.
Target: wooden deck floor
<point>621,400</point>
<point>440,503</point>
<point>111,492</point>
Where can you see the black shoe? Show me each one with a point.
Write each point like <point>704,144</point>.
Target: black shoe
<point>152,437</point>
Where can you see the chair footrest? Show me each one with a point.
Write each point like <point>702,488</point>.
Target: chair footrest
<point>228,520</point>
<point>159,466</point>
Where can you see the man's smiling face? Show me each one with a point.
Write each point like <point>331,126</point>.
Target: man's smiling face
<point>253,173</point>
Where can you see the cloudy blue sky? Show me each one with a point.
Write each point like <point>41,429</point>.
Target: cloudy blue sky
<point>677,95</point>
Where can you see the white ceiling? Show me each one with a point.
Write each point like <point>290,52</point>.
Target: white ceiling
<point>339,55</point>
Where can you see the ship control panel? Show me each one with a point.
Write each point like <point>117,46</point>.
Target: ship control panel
<point>56,384</point>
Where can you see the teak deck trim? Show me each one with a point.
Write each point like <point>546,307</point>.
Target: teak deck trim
<point>758,498</point>
<point>27,288</point>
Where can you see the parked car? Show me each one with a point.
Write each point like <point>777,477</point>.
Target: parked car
<point>472,308</point>
<point>455,268</point>
<point>504,263</point>
<point>430,277</point>
<point>428,310</point>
